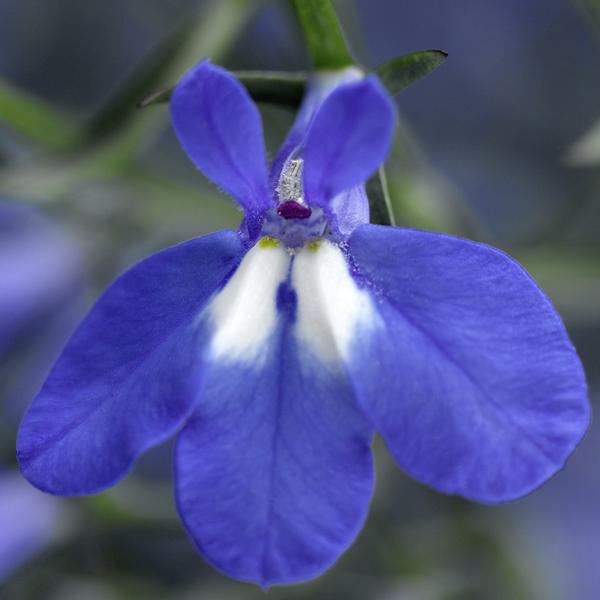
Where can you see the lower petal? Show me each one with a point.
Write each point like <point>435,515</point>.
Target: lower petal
<point>468,373</point>
<point>274,471</point>
<point>129,375</point>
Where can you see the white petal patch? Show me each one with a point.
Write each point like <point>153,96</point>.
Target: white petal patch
<point>331,307</point>
<point>244,313</point>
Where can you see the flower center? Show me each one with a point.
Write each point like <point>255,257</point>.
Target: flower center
<point>293,222</point>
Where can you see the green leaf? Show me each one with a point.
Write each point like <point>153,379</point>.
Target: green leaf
<point>287,88</point>
<point>146,77</point>
<point>53,178</point>
<point>209,34</point>
<point>323,34</point>
<point>380,204</point>
<point>160,96</point>
<point>400,72</point>
<point>585,152</point>
<point>592,7</point>
<point>570,275</point>
<point>284,89</point>
<point>36,120</point>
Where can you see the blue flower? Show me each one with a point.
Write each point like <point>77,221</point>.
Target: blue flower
<point>41,279</point>
<point>277,350</point>
<point>40,271</point>
<point>29,521</point>
<point>40,275</point>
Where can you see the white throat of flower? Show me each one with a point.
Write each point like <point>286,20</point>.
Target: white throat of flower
<point>330,308</point>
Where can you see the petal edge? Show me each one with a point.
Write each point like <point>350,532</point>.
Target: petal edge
<point>127,378</point>
<point>488,397</point>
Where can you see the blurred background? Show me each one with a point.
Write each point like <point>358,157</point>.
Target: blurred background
<point>497,145</point>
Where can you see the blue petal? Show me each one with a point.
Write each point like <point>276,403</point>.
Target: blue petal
<point>349,138</point>
<point>29,521</point>
<point>129,375</point>
<point>219,127</point>
<point>319,87</point>
<point>470,375</point>
<point>349,209</point>
<point>274,471</point>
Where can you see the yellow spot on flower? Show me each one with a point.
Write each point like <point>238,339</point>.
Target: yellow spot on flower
<point>268,242</point>
<point>314,245</point>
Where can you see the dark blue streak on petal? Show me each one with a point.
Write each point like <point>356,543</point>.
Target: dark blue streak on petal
<point>274,470</point>
<point>287,301</point>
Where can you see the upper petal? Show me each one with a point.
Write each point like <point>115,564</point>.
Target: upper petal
<point>319,87</point>
<point>219,127</point>
<point>349,138</point>
<point>468,373</point>
<point>273,471</point>
<point>129,375</point>
<point>349,209</point>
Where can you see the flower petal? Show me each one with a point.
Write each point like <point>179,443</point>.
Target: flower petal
<point>469,374</point>
<point>318,88</point>
<point>130,373</point>
<point>349,209</point>
<point>219,127</point>
<point>349,138</point>
<point>273,470</point>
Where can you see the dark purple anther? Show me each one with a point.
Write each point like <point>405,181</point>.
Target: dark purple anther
<point>290,209</point>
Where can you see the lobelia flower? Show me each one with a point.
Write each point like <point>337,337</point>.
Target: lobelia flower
<point>40,271</point>
<point>29,521</point>
<point>40,275</point>
<point>277,350</point>
<point>41,280</point>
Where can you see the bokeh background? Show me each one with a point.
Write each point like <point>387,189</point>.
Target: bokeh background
<point>495,145</point>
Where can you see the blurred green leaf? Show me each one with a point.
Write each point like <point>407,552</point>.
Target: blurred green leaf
<point>570,275</point>
<point>123,504</point>
<point>400,72</point>
<point>323,34</point>
<point>146,77</point>
<point>284,89</point>
<point>158,97</point>
<point>106,508</point>
<point>586,151</point>
<point>213,32</point>
<point>33,118</point>
<point>561,262</point>
<point>380,204</point>
<point>421,197</point>
<point>208,35</point>
<point>592,7</point>
<point>287,88</point>
<point>51,178</point>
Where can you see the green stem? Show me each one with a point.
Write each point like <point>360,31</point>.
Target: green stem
<point>380,203</point>
<point>323,34</point>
